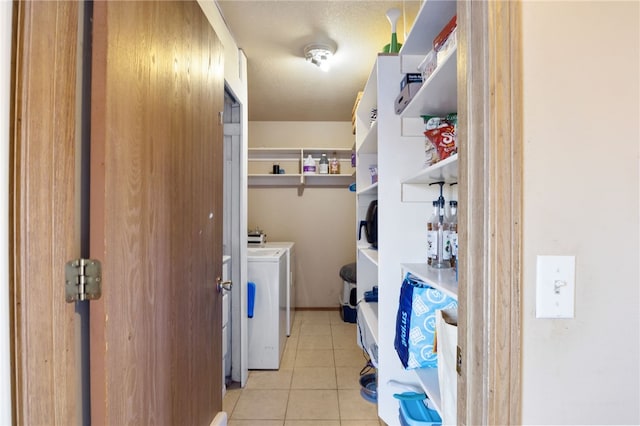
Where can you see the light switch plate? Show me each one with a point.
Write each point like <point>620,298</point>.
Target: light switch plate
<point>555,286</point>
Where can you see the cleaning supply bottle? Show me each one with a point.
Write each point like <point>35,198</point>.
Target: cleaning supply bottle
<point>451,243</point>
<point>432,234</point>
<point>309,166</point>
<point>334,165</point>
<point>323,165</point>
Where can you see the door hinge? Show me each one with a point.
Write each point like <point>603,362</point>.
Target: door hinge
<point>83,280</point>
<point>459,360</point>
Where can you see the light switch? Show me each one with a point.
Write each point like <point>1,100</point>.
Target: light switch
<point>555,286</point>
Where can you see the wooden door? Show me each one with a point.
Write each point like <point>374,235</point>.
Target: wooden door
<point>156,214</point>
<point>44,234</point>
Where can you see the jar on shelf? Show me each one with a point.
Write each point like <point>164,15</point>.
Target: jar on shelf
<point>323,165</point>
<point>334,165</point>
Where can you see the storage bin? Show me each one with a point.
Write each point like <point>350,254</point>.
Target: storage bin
<point>348,314</point>
<point>349,298</point>
<point>349,294</point>
<point>415,413</point>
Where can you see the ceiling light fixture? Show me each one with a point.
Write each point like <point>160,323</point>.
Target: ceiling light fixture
<point>319,55</point>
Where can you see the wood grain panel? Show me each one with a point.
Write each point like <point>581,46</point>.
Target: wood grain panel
<point>490,117</point>
<point>44,234</point>
<point>157,90</point>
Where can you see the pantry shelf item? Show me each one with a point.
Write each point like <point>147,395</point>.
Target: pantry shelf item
<point>309,166</point>
<point>393,15</point>
<point>323,164</point>
<point>334,165</point>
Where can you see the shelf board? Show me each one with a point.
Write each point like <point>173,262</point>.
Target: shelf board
<point>414,187</point>
<point>329,180</point>
<point>439,94</point>
<point>445,170</point>
<point>431,18</point>
<point>271,180</point>
<point>373,188</point>
<point>296,180</point>
<point>369,97</point>
<point>369,253</point>
<point>428,378</point>
<point>368,322</point>
<point>274,154</point>
<point>369,144</point>
<point>441,279</point>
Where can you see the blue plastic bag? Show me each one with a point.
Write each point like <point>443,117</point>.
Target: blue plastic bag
<point>416,322</point>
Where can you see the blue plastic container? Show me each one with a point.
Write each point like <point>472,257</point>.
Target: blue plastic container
<point>348,314</point>
<point>415,413</point>
<point>251,298</point>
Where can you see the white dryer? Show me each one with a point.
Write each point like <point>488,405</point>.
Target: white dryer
<point>267,269</point>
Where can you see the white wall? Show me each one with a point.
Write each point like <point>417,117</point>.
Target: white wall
<point>5,85</point>
<point>581,190</point>
<point>320,222</point>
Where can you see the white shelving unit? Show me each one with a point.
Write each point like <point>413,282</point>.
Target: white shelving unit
<point>261,161</point>
<point>403,193</point>
<point>367,131</point>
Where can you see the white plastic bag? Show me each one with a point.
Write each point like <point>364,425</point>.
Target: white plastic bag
<point>447,342</point>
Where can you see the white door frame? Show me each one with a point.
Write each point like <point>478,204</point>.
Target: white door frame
<point>490,123</point>
<point>236,215</point>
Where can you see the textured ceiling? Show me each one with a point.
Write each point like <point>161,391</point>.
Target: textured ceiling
<point>283,86</point>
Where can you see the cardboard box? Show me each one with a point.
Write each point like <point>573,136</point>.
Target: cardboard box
<point>428,65</point>
<point>444,34</point>
<point>354,110</point>
<point>405,96</point>
<point>410,78</point>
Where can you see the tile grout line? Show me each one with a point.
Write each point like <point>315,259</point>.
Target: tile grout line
<point>335,372</point>
<point>293,369</point>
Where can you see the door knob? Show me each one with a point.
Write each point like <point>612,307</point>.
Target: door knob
<point>223,285</point>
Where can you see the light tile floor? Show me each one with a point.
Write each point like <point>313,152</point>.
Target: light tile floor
<point>317,384</point>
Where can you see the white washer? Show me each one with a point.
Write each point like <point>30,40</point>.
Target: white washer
<point>291,277</point>
<point>266,267</point>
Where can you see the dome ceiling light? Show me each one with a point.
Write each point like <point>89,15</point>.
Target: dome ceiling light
<point>319,55</point>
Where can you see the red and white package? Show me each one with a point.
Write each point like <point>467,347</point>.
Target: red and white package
<point>443,138</point>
